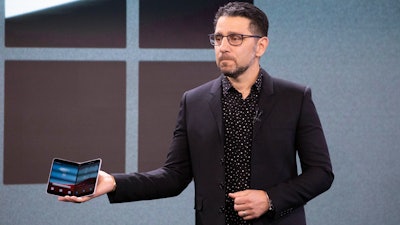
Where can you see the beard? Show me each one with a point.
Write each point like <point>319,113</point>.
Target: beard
<point>235,73</point>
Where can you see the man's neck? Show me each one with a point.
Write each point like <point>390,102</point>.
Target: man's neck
<point>245,81</point>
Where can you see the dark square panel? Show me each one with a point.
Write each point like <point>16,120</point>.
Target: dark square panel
<point>89,23</point>
<point>177,23</point>
<point>73,110</point>
<point>161,86</point>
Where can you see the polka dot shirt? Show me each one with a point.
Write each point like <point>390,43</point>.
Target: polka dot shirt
<point>238,118</point>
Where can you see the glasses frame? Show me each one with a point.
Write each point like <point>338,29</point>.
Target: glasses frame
<point>229,37</point>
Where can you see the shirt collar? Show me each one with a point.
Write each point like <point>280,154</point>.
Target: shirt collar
<point>226,84</point>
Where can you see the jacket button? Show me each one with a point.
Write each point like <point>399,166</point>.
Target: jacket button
<point>222,161</point>
<point>222,185</point>
<point>222,209</point>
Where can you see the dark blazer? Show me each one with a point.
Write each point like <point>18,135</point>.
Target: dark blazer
<point>288,123</point>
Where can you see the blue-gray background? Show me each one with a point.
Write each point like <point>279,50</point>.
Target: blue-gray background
<point>348,51</point>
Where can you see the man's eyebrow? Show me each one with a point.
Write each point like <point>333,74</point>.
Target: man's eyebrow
<point>229,33</point>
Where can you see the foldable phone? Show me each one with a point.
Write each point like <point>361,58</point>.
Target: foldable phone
<point>73,178</point>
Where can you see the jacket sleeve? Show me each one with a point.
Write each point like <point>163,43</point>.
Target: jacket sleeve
<point>316,176</point>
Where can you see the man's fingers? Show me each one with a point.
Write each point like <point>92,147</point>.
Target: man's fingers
<point>238,194</point>
<point>73,199</point>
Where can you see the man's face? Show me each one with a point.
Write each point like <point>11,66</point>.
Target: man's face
<point>235,60</point>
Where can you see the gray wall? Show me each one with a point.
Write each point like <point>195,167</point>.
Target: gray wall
<point>348,51</point>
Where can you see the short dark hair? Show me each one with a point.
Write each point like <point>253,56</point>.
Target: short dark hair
<point>258,19</point>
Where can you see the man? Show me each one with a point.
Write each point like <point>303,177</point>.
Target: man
<point>237,137</point>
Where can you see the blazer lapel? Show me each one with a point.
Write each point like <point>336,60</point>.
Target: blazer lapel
<point>215,104</point>
<point>266,101</point>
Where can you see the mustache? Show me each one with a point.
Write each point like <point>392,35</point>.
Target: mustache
<point>226,57</point>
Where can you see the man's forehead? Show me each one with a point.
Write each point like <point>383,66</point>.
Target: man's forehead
<point>232,24</point>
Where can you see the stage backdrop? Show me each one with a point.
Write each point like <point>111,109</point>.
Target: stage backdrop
<point>103,78</point>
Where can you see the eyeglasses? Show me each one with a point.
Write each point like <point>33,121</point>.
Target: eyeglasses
<point>233,39</point>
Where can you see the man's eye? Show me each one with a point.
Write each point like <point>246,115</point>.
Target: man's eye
<point>235,37</point>
<point>218,38</point>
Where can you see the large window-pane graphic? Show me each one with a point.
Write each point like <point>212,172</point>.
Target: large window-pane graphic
<point>88,23</point>
<point>72,110</point>
<point>177,23</point>
<point>161,85</point>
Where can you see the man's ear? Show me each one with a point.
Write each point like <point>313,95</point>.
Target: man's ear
<point>262,46</point>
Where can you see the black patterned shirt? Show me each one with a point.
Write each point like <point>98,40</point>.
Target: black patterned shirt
<point>238,119</point>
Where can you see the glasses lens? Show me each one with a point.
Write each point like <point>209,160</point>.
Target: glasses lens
<point>212,39</point>
<point>216,39</point>
<point>235,39</point>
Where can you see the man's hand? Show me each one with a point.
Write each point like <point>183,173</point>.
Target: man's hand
<point>250,204</point>
<point>105,184</point>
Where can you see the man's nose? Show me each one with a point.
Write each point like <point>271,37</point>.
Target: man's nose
<point>224,44</point>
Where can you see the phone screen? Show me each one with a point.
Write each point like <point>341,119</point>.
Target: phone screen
<point>73,178</point>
